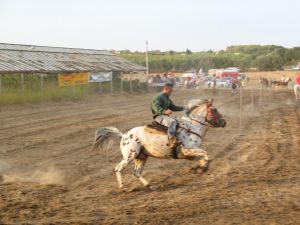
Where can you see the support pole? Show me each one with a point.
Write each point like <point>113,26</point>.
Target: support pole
<point>111,84</point>
<point>147,63</point>
<point>252,97</point>
<point>130,84</point>
<point>241,109</point>
<point>42,82</point>
<point>100,88</point>
<point>121,86</point>
<point>22,83</point>
<point>260,96</point>
<point>87,88</point>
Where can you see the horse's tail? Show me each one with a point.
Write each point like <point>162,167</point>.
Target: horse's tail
<point>103,137</point>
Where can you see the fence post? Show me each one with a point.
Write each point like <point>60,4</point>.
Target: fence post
<point>131,87</point>
<point>130,83</point>
<point>241,105</point>
<point>0,83</point>
<point>22,83</point>
<point>87,88</point>
<point>252,97</point>
<point>42,82</point>
<point>121,87</point>
<point>100,88</point>
<point>111,84</point>
<point>260,96</point>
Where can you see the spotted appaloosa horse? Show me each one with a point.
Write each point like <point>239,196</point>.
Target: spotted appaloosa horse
<point>141,142</point>
<point>297,91</point>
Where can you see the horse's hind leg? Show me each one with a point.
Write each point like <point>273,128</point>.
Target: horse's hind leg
<point>138,169</point>
<point>125,161</point>
<point>130,150</point>
<point>118,170</point>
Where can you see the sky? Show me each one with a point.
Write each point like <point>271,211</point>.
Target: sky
<point>198,25</point>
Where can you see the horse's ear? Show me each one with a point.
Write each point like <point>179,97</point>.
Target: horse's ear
<point>211,101</point>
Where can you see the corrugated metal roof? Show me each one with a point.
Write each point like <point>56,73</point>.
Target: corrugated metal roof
<point>28,58</point>
<point>35,48</point>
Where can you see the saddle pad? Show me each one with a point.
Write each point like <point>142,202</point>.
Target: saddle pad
<point>156,128</point>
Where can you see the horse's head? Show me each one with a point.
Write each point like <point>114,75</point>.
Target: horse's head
<point>203,112</point>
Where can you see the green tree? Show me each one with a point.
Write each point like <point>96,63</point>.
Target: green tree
<point>268,63</point>
<point>188,51</point>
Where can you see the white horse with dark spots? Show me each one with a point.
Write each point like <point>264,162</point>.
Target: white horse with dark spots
<point>142,142</point>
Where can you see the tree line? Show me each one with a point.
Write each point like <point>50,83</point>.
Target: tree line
<point>246,57</point>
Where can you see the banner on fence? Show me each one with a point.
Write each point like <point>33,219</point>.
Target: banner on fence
<point>100,77</point>
<point>72,79</point>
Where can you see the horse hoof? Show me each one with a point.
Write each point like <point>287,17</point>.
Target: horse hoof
<point>204,169</point>
<point>152,188</point>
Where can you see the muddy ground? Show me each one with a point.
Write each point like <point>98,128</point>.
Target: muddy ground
<point>50,175</point>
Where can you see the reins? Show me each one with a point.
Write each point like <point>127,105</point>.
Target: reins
<point>197,121</point>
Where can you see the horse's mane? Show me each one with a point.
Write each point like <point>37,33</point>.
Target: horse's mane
<point>193,103</point>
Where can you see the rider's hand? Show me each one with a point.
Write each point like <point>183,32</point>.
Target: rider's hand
<point>168,112</point>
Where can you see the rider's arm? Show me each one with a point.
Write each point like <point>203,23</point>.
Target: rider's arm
<point>175,107</point>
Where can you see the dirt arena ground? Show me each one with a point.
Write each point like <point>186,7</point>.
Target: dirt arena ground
<point>50,175</point>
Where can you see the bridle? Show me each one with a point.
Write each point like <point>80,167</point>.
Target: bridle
<point>204,124</point>
<point>207,124</point>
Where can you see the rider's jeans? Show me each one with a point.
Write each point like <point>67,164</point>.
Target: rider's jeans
<point>168,122</point>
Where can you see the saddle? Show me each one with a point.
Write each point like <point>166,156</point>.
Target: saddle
<point>156,128</point>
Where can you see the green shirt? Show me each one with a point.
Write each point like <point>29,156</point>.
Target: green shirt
<point>162,102</point>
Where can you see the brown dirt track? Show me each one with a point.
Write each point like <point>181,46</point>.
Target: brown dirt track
<point>51,176</point>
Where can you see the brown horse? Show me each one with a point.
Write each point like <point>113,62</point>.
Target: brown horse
<point>281,83</point>
<point>264,82</point>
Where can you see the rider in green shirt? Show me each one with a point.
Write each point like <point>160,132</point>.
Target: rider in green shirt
<point>162,107</point>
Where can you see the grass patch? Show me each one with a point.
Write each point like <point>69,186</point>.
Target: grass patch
<point>12,93</point>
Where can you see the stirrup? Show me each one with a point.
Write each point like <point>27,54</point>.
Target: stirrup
<point>174,153</point>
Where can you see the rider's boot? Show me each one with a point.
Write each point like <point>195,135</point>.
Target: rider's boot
<point>174,143</point>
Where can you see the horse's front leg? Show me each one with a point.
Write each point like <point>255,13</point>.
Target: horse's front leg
<point>195,154</point>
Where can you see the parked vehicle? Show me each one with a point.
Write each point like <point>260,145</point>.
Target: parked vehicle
<point>223,83</point>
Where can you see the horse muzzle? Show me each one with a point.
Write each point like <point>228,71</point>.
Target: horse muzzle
<point>223,123</point>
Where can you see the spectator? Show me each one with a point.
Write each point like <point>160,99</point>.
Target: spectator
<point>233,88</point>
